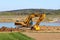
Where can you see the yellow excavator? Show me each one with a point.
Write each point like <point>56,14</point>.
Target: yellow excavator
<point>28,22</point>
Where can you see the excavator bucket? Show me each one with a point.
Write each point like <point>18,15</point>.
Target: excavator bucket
<point>37,28</point>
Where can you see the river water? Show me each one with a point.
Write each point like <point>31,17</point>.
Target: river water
<point>11,24</point>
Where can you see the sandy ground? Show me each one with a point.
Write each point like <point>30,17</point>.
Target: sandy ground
<point>43,36</point>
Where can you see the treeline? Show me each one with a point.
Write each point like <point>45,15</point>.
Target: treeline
<point>29,11</point>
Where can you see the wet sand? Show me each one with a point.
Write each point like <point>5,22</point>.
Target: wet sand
<point>45,33</point>
<point>43,36</point>
<point>44,29</point>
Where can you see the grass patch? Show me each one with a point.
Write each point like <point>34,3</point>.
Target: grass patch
<point>14,36</point>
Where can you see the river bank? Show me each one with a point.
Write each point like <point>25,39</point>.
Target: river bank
<point>13,18</point>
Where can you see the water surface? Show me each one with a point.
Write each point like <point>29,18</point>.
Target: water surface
<point>11,24</point>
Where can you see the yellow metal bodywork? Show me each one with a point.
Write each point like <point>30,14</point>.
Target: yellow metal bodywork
<point>36,26</point>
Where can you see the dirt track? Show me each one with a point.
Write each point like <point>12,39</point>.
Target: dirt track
<point>43,36</point>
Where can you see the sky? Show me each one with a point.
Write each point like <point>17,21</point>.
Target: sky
<point>6,5</point>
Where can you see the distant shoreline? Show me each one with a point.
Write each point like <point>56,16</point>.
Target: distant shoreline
<point>23,18</point>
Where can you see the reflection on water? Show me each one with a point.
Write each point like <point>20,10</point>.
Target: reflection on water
<point>11,24</point>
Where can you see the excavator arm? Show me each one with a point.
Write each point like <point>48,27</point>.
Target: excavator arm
<point>41,17</point>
